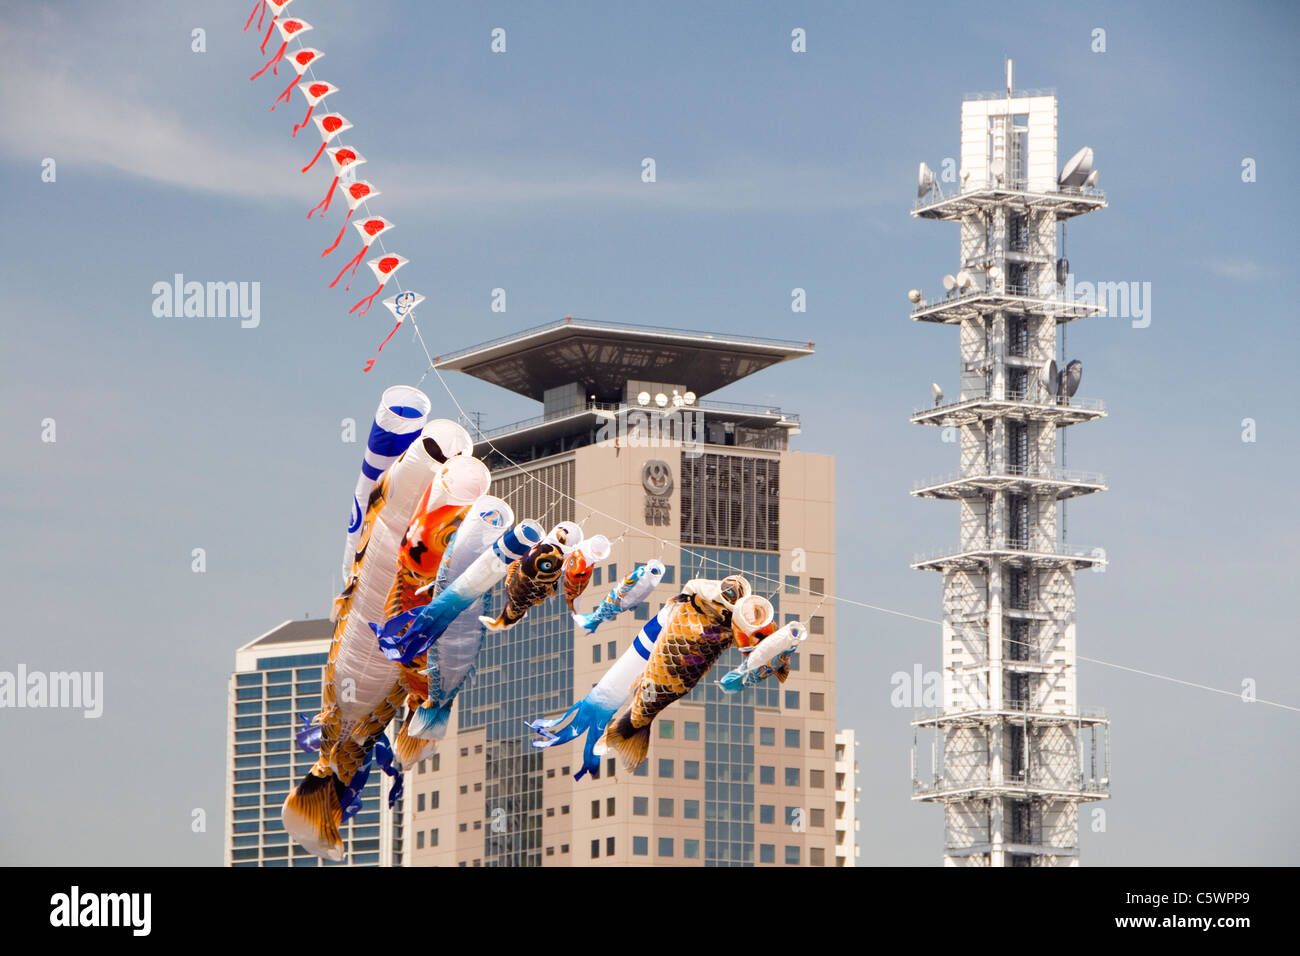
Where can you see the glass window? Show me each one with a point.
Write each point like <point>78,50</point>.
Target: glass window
<point>792,776</point>
<point>792,584</point>
<point>640,806</point>
<point>766,813</point>
<point>816,701</point>
<point>612,649</point>
<point>609,846</point>
<point>816,856</point>
<point>817,817</point>
<point>816,586</point>
<point>794,816</point>
<point>665,768</point>
<point>419,840</point>
<point>595,809</point>
<point>670,574</point>
<point>665,806</point>
<point>792,700</point>
<point>766,853</point>
<point>433,800</point>
<point>613,573</point>
<point>643,770</point>
<point>595,653</point>
<point>767,736</point>
<point>419,802</point>
<point>595,849</point>
<point>817,778</point>
<point>792,855</point>
<point>665,846</point>
<point>816,740</point>
<point>817,663</point>
<point>640,846</point>
<point>766,775</point>
<point>691,849</point>
<point>792,737</point>
<point>817,625</point>
<point>642,612</point>
<point>691,730</point>
<point>666,730</point>
<point>609,806</point>
<point>691,769</point>
<point>691,809</point>
<point>595,577</point>
<point>433,837</point>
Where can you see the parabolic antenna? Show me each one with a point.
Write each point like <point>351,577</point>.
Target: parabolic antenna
<point>1071,378</point>
<point>1077,168</point>
<point>1062,271</point>
<point>995,273</point>
<point>924,180</point>
<point>1091,181</point>
<point>997,167</point>
<point>937,392</point>
<point>1049,376</point>
<point>965,280</point>
<point>914,295</point>
<point>949,283</point>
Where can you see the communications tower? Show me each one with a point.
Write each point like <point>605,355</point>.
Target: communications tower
<point>1011,754</point>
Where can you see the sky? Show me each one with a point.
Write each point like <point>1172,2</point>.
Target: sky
<point>522,171</point>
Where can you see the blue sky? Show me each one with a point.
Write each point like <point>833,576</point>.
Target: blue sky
<point>522,171</point>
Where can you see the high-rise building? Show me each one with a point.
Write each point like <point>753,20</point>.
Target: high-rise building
<point>627,446</point>
<point>277,677</point>
<point>1011,753</point>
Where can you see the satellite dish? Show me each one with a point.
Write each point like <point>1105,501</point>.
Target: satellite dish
<point>643,398</point>
<point>949,283</point>
<point>1048,376</point>
<point>1091,181</point>
<point>661,400</point>
<point>997,168</point>
<point>914,295</point>
<point>965,280</point>
<point>924,180</point>
<point>1077,168</point>
<point>689,398</point>
<point>1071,377</point>
<point>937,391</point>
<point>995,273</point>
<point>1062,271</point>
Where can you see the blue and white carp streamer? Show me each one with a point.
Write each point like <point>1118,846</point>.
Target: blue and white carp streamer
<point>624,595</point>
<point>591,714</point>
<point>402,643</point>
<point>770,656</point>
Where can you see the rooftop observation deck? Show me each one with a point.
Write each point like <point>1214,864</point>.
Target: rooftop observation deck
<point>592,365</point>
<point>603,357</point>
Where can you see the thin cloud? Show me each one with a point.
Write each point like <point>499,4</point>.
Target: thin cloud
<point>1244,270</point>
<point>91,125</point>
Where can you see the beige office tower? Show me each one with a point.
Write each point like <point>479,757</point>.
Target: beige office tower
<point>628,446</point>
<point>1011,754</point>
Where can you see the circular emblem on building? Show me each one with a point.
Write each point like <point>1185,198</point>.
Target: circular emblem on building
<point>657,478</point>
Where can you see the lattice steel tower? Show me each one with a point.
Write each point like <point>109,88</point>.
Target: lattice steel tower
<point>1012,756</point>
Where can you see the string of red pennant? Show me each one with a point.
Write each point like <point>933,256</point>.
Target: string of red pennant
<point>343,159</point>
